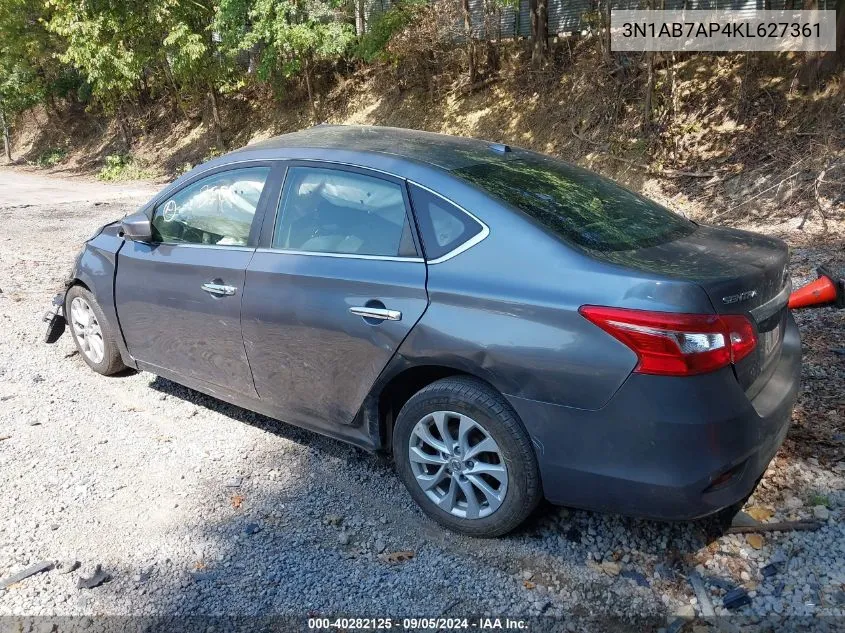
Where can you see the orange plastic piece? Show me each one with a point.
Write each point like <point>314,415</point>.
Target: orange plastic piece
<point>819,292</point>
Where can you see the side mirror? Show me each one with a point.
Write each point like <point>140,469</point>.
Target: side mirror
<point>136,227</point>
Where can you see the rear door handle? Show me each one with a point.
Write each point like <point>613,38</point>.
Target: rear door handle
<point>381,314</point>
<point>219,289</point>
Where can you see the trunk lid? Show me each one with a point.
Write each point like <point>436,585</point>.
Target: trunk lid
<point>741,272</point>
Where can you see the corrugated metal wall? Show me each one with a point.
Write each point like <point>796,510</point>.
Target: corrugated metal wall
<point>490,21</point>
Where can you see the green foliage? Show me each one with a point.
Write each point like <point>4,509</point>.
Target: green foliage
<point>110,52</point>
<point>820,500</point>
<point>372,44</point>
<point>25,64</point>
<point>293,34</point>
<point>120,167</point>
<point>102,41</point>
<point>51,157</point>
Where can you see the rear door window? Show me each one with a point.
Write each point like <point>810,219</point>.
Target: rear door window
<point>575,204</point>
<point>342,212</point>
<point>443,226</point>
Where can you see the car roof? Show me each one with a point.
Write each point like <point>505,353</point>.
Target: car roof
<point>439,150</point>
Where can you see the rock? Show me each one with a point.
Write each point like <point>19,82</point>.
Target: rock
<point>754,540</point>
<point>380,546</point>
<point>527,574</point>
<point>821,513</point>
<point>770,570</point>
<point>333,519</point>
<point>67,566</point>
<point>234,482</point>
<point>611,568</point>
<point>685,611</point>
<point>343,538</point>
<point>252,528</point>
<point>792,503</point>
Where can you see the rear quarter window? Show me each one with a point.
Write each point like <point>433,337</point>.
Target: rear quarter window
<point>577,205</point>
<point>443,226</point>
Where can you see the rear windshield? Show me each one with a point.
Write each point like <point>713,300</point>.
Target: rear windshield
<point>577,205</point>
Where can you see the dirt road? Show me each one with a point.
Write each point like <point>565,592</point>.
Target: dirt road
<point>197,507</point>
<point>22,188</point>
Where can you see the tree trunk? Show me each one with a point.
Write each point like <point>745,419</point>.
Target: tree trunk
<point>360,18</point>
<point>124,127</point>
<point>307,67</point>
<point>539,30</point>
<point>177,97</point>
<point>7,142</point>
<point>820,66</point>
<point>215,116</point>
<point>649,90</point>
<point>470,41</point>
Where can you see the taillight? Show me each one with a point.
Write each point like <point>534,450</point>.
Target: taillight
<point>672,344</point>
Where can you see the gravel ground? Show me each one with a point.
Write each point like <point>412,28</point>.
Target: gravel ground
<point>194,506</point>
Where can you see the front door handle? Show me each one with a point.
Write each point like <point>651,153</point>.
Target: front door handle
<point>219,289</point>
<point>380,314</point>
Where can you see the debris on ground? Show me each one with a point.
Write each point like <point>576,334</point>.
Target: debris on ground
<point>781,526</point>
<point>252,528</point>
<point>94,580</point>
<point>37,568</point>
<point>396,557</point>
<point>636,576</point>
<point>701,595</point>
<point>736,598</point>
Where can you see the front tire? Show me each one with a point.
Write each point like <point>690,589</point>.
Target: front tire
<point>91,333</point>
<point>466,459</point>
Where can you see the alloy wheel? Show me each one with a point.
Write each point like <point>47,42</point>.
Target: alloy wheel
<point>458,465</point>
<point>87,329</point>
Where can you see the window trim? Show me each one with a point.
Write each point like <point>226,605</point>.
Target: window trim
<point>463,246</point>
<point>258,216</point>
<point>266,241</point>
<point>278,175</point>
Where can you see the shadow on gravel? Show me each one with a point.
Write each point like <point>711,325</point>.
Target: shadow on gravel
<point>306,438</point>
<point>319,521</point>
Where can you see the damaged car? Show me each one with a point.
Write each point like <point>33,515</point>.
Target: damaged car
<point>510,327</point>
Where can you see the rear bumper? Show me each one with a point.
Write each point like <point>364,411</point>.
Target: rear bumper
<point>657,447</point>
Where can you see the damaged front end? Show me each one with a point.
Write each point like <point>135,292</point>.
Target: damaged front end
<point>55,319</point>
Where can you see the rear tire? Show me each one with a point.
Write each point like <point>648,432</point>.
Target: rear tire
<point>486,456</point>
<point>93,336</point>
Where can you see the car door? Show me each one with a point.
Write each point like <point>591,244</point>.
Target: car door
<point>332,293</point>
<point>178,298</point>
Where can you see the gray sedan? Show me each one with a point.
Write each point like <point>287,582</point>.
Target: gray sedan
<point>507,325</point>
